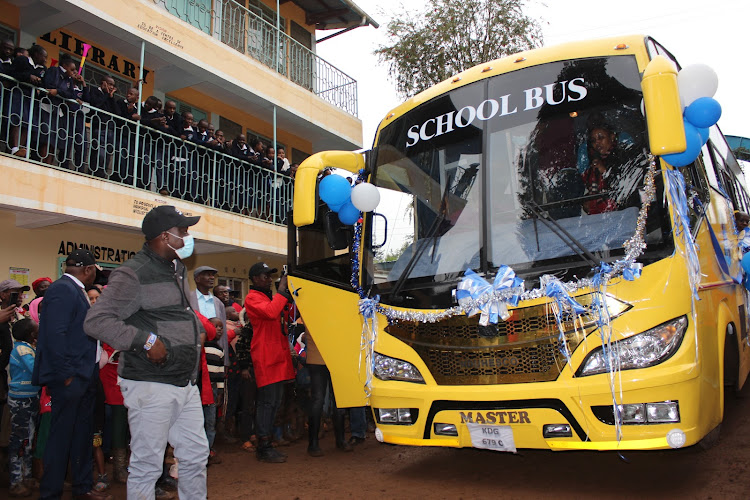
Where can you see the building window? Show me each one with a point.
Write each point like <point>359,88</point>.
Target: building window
<point>231,129</point>
<point>265,12</point>
<point>298,156</point>
<point>236,287</point>
<point>252,137</point>
<point>7,33</point>
<point>183,107</point>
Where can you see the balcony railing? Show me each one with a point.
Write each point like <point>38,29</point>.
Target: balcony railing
<point>248,33</point>
<point>66,135</point>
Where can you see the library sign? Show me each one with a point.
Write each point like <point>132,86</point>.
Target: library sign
<point>74,45</point>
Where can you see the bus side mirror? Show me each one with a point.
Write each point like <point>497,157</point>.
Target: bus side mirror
<point>337,235</point>
<point>306,180</point>
<point>661,97</point>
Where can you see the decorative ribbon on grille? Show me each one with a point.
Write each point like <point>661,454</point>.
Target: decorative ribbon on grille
<point>563,304</point>
<point>368,309</point>
<point>477,295</point>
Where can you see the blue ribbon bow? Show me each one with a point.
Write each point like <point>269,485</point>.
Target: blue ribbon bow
<point>476,295</point>
<point>368,308</point>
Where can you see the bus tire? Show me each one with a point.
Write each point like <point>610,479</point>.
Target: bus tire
<point>711,439</point>
<point>731,361</point>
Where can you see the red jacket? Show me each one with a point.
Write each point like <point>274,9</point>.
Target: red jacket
<point>108,376</point>
<point>207,393</point>
<point>269,349</point>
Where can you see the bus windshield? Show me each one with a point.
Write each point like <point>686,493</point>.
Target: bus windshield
<point>540,169</point>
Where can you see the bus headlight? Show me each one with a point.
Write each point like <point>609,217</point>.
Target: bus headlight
<point>649,348</point>
<point>387,368</point>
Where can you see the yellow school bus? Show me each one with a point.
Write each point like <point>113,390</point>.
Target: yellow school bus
<point>546,163</point>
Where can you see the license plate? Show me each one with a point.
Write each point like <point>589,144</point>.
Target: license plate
<point>492,437</point>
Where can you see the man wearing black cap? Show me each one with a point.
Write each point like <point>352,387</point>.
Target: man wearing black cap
<point>272,359</point>
<point>145,312</point>
<point>67,363</point>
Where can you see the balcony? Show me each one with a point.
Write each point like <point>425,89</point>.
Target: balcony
<point>65,135</point>
<point>250,34</point>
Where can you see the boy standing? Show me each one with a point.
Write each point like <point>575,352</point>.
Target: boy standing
<point>23,403</point>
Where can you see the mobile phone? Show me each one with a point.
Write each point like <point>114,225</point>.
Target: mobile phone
<point>13,298</point>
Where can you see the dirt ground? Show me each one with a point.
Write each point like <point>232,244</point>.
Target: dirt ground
<point>377,470</point>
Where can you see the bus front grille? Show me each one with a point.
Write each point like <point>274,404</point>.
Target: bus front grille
<point>527,347</point>
<point>534,363</point>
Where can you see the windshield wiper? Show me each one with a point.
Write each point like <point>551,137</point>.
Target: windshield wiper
<point>560,232</point>
<point>422,243</point>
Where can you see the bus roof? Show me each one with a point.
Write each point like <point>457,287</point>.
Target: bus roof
<point>628,44</point>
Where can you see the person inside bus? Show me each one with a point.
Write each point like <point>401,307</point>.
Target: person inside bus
<point>596,179</point>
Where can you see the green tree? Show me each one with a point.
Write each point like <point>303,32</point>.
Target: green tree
<point>451,36</point>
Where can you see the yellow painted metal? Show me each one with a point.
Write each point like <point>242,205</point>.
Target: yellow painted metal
<point>693,376</point>
<point>307,177</point>
<point>666,132</point>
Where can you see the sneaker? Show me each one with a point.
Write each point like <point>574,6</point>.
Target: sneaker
<point>102,483</point>
<point>19,490</point>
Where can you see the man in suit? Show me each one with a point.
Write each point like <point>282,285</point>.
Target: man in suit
<point>211,307</point>
<point>66,362</point>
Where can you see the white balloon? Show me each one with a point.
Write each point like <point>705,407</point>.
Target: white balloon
<point>695,81</point>
<point>365,197</point>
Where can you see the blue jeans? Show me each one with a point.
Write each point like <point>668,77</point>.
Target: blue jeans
<point>358,421</point>
<point>22,415</point>
<point>158,413</point>
<point>209,418</point>
<point>266,406</point>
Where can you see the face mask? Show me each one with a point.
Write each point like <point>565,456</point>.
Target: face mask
<point>187,247</point>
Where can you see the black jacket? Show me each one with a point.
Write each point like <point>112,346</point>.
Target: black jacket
<point>149,294</point>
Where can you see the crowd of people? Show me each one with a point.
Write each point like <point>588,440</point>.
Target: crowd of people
<point>125,368</point>
<point>91,130</point>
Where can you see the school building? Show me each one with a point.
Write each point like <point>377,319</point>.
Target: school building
<point>247,66</point>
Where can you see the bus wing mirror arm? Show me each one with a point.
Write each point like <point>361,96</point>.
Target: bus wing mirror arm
<point>306,180</point>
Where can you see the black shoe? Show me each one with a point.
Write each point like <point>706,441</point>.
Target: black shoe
<point>167,483</point>
<point>271,456</point>
<point>344,446</point>
<point>315,451</point>
<point>354,440</point>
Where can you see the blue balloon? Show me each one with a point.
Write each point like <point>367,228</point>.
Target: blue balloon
<point>693,149</point>
<point>348,214</point>
<point>703,112</point>
<point>745,263</point>
<point>336,208</point>
<point>335,190</point>
<point>704,134</point>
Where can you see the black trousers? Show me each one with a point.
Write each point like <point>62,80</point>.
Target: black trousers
<point>71,437</point>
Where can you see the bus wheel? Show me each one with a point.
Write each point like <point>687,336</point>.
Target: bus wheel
<point>711,439</point>
<point>731,360</point>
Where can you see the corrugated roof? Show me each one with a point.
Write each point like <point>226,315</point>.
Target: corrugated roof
<point>335,14</point>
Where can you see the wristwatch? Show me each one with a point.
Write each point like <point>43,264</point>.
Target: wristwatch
<point>150,342</point>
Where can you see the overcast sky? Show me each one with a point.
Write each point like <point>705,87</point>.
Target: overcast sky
<point>713,32</point>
